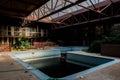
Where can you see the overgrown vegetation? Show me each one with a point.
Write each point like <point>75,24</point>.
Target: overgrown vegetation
<point>95,47</point>
<point>22,44</point>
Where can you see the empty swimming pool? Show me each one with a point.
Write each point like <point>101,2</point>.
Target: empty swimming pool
<point>74,66</point>
<point>74,63</point>
<point>56,68</point>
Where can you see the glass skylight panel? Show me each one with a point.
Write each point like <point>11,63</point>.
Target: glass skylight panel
<point>53,5</point>
<point>76,7</point>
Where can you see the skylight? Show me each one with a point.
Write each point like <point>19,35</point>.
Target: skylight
<point>76,7</point>
<point>54,8</point>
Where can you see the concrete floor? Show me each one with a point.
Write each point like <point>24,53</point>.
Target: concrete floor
<point>12,70</point>
<point>108,73</point>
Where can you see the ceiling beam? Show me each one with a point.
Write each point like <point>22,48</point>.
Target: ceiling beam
<point>102,4</point>
<point>110,18</point>
<point>68,6</point>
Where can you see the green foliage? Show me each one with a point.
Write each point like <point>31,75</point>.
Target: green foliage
<point>32,47</point>
<point>96,45</point>
<point>21,44</point>
<point>111,40</point>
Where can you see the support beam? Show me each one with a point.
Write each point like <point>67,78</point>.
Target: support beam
<point>111,1</point>
<point>68,6</point>
<point>89,9</point>
<point>93,4</point>
<point>91,21</point>
<point>101,4</point>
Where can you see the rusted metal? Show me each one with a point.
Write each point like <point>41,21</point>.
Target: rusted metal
<point>77,2</point>
<point>99,5</point>
<point>91,21</point>
<point>56,11</point>
<point>93,4</point>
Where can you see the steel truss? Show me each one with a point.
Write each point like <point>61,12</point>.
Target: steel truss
<point>106,10</point>
<point>50,8</point>
<point>56,7</point>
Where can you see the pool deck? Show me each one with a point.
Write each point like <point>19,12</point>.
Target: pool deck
<point>109,73</point>
<point>12,70</point>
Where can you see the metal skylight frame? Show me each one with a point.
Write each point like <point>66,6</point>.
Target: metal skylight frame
<point>57,8</point>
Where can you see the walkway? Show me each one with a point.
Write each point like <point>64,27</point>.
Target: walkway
<point>109,73</point>
<point>11,70</point>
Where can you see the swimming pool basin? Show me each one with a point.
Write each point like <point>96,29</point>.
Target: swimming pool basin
<point>90,64</point>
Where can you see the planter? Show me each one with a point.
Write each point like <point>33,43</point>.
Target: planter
<point>110,50</point>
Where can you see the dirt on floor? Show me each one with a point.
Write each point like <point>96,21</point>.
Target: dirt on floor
<point>12,70</point>
<point>109,73</point>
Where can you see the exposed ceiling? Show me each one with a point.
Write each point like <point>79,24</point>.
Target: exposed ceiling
<point>105,12</point>
<point>19,8</point>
